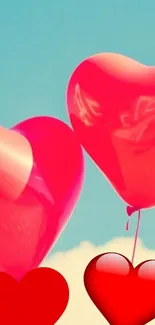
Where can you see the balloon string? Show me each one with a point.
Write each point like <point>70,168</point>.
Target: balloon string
<point>137,230</point>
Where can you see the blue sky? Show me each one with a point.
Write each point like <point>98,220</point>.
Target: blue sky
<point>41,42</point>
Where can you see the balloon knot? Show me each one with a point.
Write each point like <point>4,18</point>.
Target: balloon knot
<point>130,210</point>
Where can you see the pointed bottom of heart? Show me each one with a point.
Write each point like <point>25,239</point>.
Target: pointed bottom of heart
<point>123,294</point>
<point>39,299</point>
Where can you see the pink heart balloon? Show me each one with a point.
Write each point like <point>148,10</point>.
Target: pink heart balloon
<point>46,175</point>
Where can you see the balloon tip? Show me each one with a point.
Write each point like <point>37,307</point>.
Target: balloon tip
<point>130,210</point>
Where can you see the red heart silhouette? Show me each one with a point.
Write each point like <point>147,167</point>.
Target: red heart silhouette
<point>111,104</point>
<point>40,298</point>
<point>31,224</point>
<point>123,294</point>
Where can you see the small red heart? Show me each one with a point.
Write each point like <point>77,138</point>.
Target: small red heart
<point>40,298</point>
<point>31,224</point>
<point>123,294</point>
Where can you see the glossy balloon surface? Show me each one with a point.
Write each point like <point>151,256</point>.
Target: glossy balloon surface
<point>111,104</point>
<point>30,225</point>
<point>123,294</point>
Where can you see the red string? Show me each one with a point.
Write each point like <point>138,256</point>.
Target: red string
<point>130,211</point>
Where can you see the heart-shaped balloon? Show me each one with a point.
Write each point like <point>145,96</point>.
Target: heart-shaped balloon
<point>39,298</point>
<point>44,167</point>
<point>122,293</point>
<point>111,104</point>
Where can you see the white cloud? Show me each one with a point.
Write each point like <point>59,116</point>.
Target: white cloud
<point>72,264</point>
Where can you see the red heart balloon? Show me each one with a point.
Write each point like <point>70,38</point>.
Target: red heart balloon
<point>31,224</point>
<point>40,298</point>
<point>111,104</point>
<point>123,294</point>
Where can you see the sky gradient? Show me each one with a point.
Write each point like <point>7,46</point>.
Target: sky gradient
<point>41,43</point>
